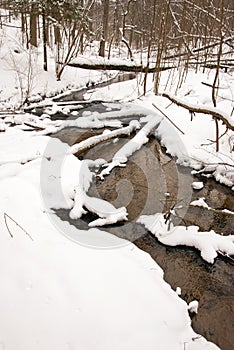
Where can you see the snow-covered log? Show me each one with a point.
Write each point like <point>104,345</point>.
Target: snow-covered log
<point>96,63</point>
<point>217,113</point>
<point>107,213</point>
<point>202,203</point>
<point>106,135</point>
<point>121,157</point>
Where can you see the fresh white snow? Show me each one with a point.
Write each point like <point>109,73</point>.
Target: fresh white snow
<point>193,306</point>
<point>56,293</point>
<point>197,185</point>
<point>200,203</point>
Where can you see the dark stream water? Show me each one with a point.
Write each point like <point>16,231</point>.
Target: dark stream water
<point>143,187</point>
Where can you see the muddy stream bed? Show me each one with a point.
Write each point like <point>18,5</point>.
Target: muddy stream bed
<point>150,183</point>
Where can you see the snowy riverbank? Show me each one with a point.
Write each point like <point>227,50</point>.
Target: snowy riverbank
<point>70,295</point>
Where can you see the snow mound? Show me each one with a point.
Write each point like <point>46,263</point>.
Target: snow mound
<point>197,185</point>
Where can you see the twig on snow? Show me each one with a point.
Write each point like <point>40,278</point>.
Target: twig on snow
<point>8,229</point>
<point>168,118</point>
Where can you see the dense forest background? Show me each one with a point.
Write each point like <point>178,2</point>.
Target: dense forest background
<point>175,32</point>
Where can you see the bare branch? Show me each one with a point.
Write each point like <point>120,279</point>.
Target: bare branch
<point>8,229</point>
<point>168,118</point>
<point>213,111</point>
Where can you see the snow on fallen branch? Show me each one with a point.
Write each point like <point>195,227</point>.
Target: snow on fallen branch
<point>202,203</point>
<point>41,125</point>
<point>209,243</point>
<point>107,213</point>
<point>121,157</point>
<point>106,135</point>
<point>124,65</point>
<point>213,111</point>
<point>111,119</point>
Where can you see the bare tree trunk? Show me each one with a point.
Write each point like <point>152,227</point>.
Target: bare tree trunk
<point>217,75</point>
<point>152,29</point>
<point>26,30</point>
<point>72,48</point>
<point>44,41</point>
<point>82,34</point>
<point>23,26</point>
<point>125,15</point>
<point>105,28</point>
<point>161,48</point>
<point>33,24</point>
<point>57,36</point>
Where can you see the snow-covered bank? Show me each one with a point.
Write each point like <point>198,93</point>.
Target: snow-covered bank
<point>22,75</point>
<point>58,294</point>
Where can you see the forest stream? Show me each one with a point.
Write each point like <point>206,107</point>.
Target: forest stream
<point>149,183</point>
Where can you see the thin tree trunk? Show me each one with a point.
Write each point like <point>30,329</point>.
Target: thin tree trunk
<point>33,25</point>
<point>152,29</point>
<point>105,28</point>
<point>44,41</point>
<point>217,76</point>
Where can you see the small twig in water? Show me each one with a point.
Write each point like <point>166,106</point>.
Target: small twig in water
<point>225,255</point>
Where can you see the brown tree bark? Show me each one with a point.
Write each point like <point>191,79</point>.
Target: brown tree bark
<point>44,41</point>
<point>33,24</point>
<point>105,28</point>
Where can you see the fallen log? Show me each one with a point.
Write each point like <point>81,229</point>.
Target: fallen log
<point>121,156</point>
<point>123,68</point>
<point>95,140</point>
<point>34,126</point>
<point>61,104</point>
<point>99,63</point>
<point>213,111</point>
